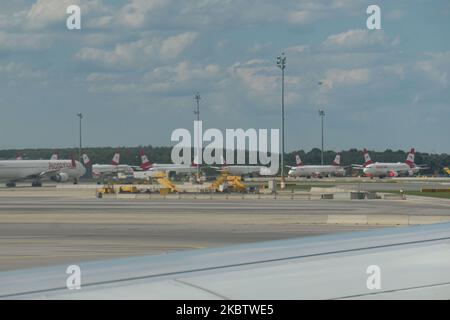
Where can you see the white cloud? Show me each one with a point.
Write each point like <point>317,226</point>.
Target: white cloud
<point>301,17</point>
<point>436,67</point>
<point>21,71</point>
<point>140,52</point>
<point>135,13</point>
<point>260,47</point>
<point>173,79</point>
<point>45,13</point>
<point>344,78</point>
<point>173,46</point>
<point>22,42</point>
<point>358,39</point>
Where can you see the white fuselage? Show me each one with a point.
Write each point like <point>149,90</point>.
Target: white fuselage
<point>379,169</point>
<point>13,170</point>
<point>311,170</point>
<point>239,170</point>
<point>177,168</point>
<point>110,169</point>
<point>145,175</point>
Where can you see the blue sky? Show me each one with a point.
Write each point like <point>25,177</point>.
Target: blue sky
<point>134,66</point>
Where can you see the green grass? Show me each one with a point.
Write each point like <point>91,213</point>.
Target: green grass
<point>307,186</point>
<point>442,195</point>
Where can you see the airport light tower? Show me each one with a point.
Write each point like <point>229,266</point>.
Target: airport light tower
<point>281,63</point>
<point>80,115</point>
<point>197,113</point>
<point>322,115</point>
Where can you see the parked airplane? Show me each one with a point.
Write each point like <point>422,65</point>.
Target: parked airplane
<point>389,169</point>
<point>302,170</point>
<point>56,170</point>
<point>146,165</point>
<point>241,170</point>
<point>102,170</point>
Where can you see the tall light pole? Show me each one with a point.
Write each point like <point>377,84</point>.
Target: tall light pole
<point>80,115</point>
<point>197,113</point>
<point>322,115</point>
<point>281,63</point>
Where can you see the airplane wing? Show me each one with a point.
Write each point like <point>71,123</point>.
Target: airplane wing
<point>48,173</point>
<point>412,263</point>
<point>357,166</point>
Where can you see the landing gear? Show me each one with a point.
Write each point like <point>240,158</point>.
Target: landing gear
<point>36,184</point>
<point>11,184</point>
<point>75,181</point>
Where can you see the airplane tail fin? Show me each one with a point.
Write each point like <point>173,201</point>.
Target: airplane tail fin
<point>337,160</point>
<point>116,159</point>
<point>195,162</point>
<point>298,161</point>
<point>410,159</point>
<point>18,156</point>
<point>145,163</point>
<point>86,159</point>
<point>54,156</point>
<point>74,163</point>
<point>367,159</point>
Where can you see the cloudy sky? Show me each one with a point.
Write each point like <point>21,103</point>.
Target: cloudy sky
<point>134,66</point>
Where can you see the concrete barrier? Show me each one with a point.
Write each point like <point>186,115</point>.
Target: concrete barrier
<point>125,196</point>
<point>415,220</point>
<point>386,219</point>
<point>357,195</point>
<point>312,219</point>
<point>393,196</point>
<point>372,196</point>
<point>347,219</point>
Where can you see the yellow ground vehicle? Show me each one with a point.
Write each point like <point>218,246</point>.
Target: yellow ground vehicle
<point>447,170</point>
<point>106,189</point>
<point>128,189</point>
<point>162,179</point>
<point>225,182</point>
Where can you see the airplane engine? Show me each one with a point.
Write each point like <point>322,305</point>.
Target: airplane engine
<point>393,174</point>
<point>61,177</point>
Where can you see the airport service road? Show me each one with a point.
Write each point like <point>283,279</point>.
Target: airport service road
<point>47,229</point>
<point>394,186</point>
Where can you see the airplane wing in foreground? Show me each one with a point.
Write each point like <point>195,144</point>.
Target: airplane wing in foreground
<point>412,263</point>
